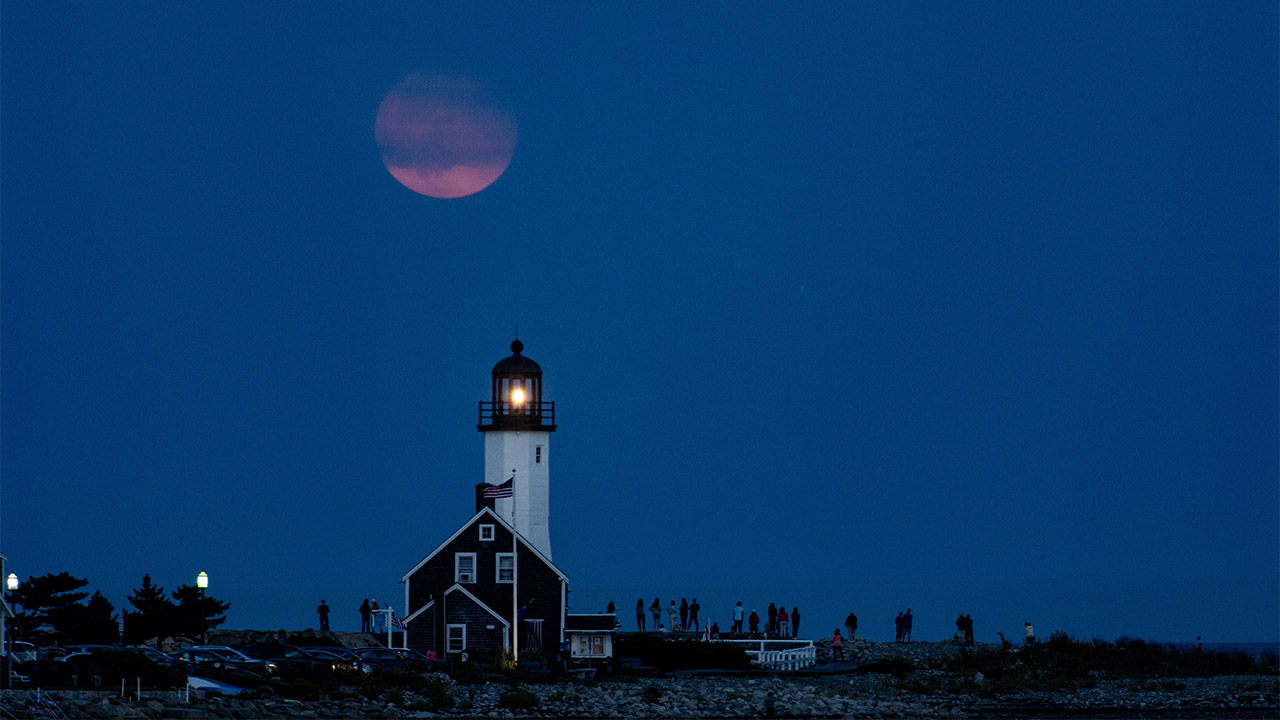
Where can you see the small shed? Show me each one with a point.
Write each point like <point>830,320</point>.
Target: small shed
<point>590,639</point>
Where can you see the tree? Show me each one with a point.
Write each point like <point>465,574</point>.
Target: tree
<point>197,613</point>
<point>92,623</point>
<point>156,616</point>
<point>45,601</point>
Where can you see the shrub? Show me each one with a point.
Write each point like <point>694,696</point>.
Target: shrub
<point>518,698</point>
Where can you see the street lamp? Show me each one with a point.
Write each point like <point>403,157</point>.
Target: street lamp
<point>202,582</point>
<point>12,583</point>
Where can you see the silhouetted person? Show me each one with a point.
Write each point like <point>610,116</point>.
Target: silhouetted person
<point>684,614</point>
<point>906,626</point>
<point>783,619</point>
<point>366,617</point>
<point>640,614</point>
<point>694,607</point>
<point>968,629</point>
<point>960,627</point>
<point>715,631</point>
<point>837,647</point>
<point>772,613</point>
<point>656,611</point>
<point>738,614</point>
<point>324,616</point>
<point>673,616</point>
<point>770,706</point>
<point>611,609</point>
<point>753,622</point>
<point>1029,636</point>
<point>851,624</point>
<point>897,625</point>
<point>795,622</point>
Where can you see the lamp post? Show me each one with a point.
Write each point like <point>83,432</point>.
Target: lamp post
<point>11,583</point>
<point>202,582</point>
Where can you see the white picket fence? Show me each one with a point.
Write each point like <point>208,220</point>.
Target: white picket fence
<point>779,654</point>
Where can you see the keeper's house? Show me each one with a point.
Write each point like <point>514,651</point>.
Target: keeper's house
<point>462,598</point>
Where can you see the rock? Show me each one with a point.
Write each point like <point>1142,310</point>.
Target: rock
<point>978,677</point>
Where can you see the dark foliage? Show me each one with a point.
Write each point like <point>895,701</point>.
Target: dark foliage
<point>896,666</point>
<point>93,623</point>
<point>518,698</point>
<point>665,655</point>
<point>155,613</point>
<point>48,602</point>
<point>1063,662</point>
<point>197,612</point>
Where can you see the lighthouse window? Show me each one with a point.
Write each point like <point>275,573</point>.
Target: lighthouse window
<point>506,567</point>
<point>464,567</point>
<point>486,533</point>
<point>537,454</point>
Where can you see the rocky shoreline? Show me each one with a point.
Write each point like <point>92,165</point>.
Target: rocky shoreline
<point>831,690</point>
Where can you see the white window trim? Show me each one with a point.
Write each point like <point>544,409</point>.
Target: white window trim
<point>457,568</point>
<point>486,533</point>
<point>448,647</point>
<point>497,571</point>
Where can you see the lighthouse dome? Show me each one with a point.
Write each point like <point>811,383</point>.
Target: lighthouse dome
<point>516,364</point>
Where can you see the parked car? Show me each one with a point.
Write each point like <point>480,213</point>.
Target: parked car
<point>431,665</point>
<point>201,658</point>
<point>341,660</point>
<point>23,651</point>
<point>285,656</point>
<point>235,655</point>
<point>387,659</point>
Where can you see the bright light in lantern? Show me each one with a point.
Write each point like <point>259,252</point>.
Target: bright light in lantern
<point>517,396</point>
<point>202,580</point>
<point>13,581</point>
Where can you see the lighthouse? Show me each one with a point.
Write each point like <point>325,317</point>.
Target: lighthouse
<point>517,425</point>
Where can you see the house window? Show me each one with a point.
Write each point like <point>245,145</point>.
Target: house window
<point>537,454</point>
<point>597,644</point>
<point>464,567</point>
<point>486,533</point>
<point>457,638</point>
<point>506,567</point>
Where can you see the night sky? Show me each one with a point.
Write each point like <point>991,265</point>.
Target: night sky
<point>963,307</point>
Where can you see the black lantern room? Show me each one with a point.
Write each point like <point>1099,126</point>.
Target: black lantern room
<point>517,396</point>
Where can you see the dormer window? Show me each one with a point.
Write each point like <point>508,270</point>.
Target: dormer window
<point>486,533</point>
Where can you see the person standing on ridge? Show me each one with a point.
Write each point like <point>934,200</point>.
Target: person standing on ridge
<point>897,628</point>
<point>968,629</point>
<point>656,611</point>
<point>323,610</point>
<point>851,624</point>
<point>795,622</point>
<point>738,613</point>
<point>772,613</point>
<point>754,622</point>
<point>1029,636</point>
<point>906,626</point>
<point>694,607</point>
<point>673,616</point>
<point>783,619</point>
<point>366,623</point>
<point>837,647</point>
<point>640,614</point>
<point>684,614</point>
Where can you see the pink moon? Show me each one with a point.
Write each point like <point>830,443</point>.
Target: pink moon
<point>442,136</point>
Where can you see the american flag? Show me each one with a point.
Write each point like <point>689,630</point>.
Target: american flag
<point>395,621</point>
<point>500,491</point>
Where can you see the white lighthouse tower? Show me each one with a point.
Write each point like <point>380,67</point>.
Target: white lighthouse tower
<point>517,427</point>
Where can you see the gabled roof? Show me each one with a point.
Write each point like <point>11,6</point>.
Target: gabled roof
<point>474,519</point>
<point>476,600</point>
<point>418,612</point>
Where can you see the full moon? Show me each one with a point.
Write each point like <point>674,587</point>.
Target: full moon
<point>442,136</point>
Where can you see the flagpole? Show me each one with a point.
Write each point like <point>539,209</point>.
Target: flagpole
<point>515,578</point>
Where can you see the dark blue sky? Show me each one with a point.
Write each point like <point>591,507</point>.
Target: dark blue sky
<point>963,307</point>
